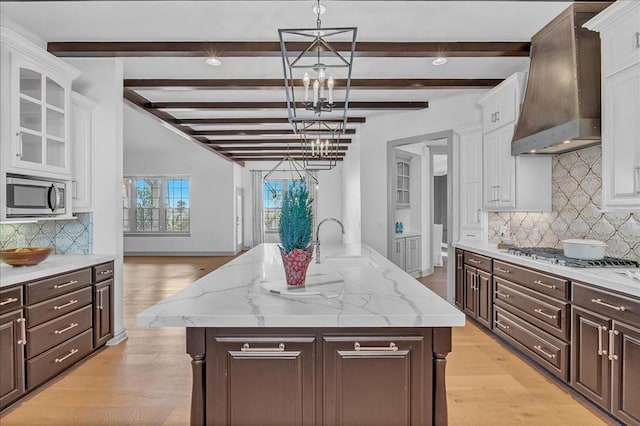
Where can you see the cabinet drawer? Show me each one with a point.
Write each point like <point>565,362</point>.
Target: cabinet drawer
<point>50,363</point>
<point>56,286</point>
<point>10,299</point>
<point>549,314</point>
<point>51,333</point>
<point>546,350</point>
<point>612,305</point>
<point>45,311</point>
<point>477,261</point>
<point>547,284</point>
<point>102,272</point>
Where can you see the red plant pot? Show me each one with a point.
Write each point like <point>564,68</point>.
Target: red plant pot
<point>295,264</point>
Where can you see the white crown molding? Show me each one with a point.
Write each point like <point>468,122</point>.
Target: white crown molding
<point>611,14</point>
<point>22,45</point>
<point>518,78</point>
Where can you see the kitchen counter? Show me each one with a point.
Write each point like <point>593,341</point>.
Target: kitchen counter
<point>54,264</point>
<point>354,286</point>
<point>408,233</point>
<point>607,278</point>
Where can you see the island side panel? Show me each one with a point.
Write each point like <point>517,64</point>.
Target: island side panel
<point>441,348</point>
<point>196,348</point>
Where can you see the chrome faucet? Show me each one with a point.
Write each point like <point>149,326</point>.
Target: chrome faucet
<point>317,241</point>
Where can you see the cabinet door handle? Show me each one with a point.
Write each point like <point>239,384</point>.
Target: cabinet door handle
<point>72,282</point>
<point>506,271</point>
<point>20,147</point>
<point>71,353</point>
<point>9,300</point>
<point>544,314</point>
<point>69,303</point>
<point>544,352</point>
<point>247,348</point>
<point>553,287</point>
<point>64,330</point>
<point>607,305</point>
<point>391,348</point>
<point>636,180</point>
<point>23,331</point>
<point>501,294</point>
<point>75,189</point>
<point>100,300</point>
<point>612,342</point>
<point>498,116</point>
<point>637,39</point>
<point>503,326</point>
<point>601,351</point>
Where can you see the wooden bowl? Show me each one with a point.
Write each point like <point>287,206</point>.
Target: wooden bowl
<point>25,256</point>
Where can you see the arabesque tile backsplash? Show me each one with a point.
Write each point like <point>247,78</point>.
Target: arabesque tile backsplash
<point>576,213</point>
<point>65,236</point>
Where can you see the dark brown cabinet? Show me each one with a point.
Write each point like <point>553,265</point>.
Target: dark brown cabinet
<point>459,289</point>
<point>262,380</point>
<point>12,342</point>
<point>477,295</point>
<point>102,312</point>
<point>625,395</point>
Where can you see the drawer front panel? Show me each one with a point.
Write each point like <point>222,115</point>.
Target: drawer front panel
<point>477,261</point>
<point>614,306</point>
<point>50,363</point>
<point>547,284</point>
<point>102,272</point>
<point>549,314</point>
<point>10,299</point>
<point>51,333</point>
<point>56,286</point>
<point>50,309</point>
<point>546,350</point>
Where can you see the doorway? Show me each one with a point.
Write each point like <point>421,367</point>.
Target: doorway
<point>239,221</point>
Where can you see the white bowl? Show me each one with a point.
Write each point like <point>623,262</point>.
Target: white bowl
<point>584,249</point>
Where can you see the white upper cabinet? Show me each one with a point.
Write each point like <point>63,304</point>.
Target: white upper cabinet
<point>510,183</point>
<point>81,118</point>
<point>403,181</point>
<point>471,215</point>
<point>619,27</point>
<point>35,117</point>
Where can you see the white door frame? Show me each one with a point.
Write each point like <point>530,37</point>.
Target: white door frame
<point>239,219</point>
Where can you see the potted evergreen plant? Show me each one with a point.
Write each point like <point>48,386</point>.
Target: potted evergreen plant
<point>295,229</point>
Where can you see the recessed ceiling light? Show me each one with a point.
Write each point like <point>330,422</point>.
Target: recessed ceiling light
<point>439,61</point>
<point>214,62</point>
<point>315,9</point>
<point>533,151</point>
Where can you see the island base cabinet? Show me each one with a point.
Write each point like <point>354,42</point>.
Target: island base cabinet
<point>261,381</point>
<point>102,309</point>
<point>375,380</point>
<point>11,357</point>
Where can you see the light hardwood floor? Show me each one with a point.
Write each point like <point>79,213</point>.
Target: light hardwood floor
<point>146,379</point>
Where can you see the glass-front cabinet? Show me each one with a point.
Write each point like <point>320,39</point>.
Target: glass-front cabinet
<point>41,119</point>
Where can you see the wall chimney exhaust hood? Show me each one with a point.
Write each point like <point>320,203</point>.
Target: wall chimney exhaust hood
<point>561,109</point>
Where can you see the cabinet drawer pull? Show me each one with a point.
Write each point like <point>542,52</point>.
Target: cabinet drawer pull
<point>601,351</point>
<point>9,300</point>
<point>501,294</point>
<point>612,342</point>
<point>247,348</point>
<point>607,305</point>
<point>23,331</point>
<point>475,262</point>
<point>551,286</point>
<point>392,347</point>
<point>544,314</point>
<point>71,353</point>
<point>72,282</point>
<point>72,325</point>
<point>108,271</point>
<point>499,269</point>
<point>69,303</point>
<point>545,353</point>
<point>503,326</point>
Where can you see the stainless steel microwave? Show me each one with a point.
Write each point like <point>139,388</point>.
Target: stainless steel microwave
<point>33,197</point>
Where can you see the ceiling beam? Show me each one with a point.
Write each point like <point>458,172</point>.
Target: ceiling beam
<point>272,49</point>
<point>254,132</point>
<point>255,120</point>
<point>297,150</point>
<point>388,105</point>
<point>219,142</point>
<point>274,157</point>
<point>278,83</point>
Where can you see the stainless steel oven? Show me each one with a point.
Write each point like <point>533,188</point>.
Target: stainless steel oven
<point>34,197</point>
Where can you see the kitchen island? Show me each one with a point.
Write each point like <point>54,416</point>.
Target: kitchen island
<point>362,343</point>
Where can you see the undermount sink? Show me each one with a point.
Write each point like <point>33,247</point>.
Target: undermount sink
<point>359,262</point>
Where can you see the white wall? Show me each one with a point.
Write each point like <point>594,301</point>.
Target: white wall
<point>351,193</point>
<point>153,149</point>
<point>101,80</point>
<point>442,114</point>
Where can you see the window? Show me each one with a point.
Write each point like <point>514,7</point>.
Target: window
<point>156,205</point>
<point>272,195</point>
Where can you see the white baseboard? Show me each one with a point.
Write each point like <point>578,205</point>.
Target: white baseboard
<point>120,337</point>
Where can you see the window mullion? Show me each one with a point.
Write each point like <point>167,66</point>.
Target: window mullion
<point>162,205</point>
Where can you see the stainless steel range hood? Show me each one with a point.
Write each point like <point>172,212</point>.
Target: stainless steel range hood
<point>561,109</point>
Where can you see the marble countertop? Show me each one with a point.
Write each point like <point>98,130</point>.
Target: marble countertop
<point>607,278</point>
<point>354,286</point>
<point>52,265</point>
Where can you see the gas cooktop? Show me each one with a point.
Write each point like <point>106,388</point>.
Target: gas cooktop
<point>556,256</point>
